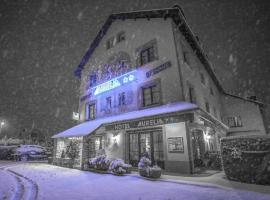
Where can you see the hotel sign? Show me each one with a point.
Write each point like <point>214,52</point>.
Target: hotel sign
<point>148,122</point>
<point>115,83</point>
<point>158,69</point>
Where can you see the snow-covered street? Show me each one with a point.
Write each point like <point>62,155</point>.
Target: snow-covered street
<point>43,181</point>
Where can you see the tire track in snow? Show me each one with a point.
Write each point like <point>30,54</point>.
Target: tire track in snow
<point>27,189</point>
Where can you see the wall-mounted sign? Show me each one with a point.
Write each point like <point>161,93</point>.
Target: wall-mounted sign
<point>158,69</point>
<point>149,122</point>
<point>175,145</point>
<point>115,82</point>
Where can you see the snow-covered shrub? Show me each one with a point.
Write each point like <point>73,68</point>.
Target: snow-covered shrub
<point>246,158</point>
<point>119,167</point>
<point>146,170</point>
<point>100,162</point>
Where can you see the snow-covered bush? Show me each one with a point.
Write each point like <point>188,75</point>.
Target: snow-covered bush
<point>100,162</point>
<point>246,158</point>
<point>146,170</point>
<point>118,167</point>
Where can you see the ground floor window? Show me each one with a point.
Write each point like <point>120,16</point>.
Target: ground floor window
<point>146,143</point>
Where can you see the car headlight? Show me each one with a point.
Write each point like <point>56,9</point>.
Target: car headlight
<point>32,152</point>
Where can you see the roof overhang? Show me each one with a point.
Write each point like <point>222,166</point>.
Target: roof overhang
<point>89,127</point>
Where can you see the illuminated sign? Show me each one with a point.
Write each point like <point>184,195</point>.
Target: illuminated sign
<point>114,83</point>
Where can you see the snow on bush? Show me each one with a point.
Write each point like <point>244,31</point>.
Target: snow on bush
<point>146,170</point>
<point>100,162</point>
<point>118,167</point>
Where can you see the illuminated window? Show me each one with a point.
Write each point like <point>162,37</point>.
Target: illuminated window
<point>151,95</point>
<point>98,143</point>
<point>91,111</point>
<point>121,36</point>
<point>108,103</point>
<point>234,121</point>
<point>122,99</point>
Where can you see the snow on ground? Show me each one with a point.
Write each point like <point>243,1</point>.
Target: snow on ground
<point>63,183</point>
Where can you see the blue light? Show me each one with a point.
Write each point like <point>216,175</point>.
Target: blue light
<point>114,83</point>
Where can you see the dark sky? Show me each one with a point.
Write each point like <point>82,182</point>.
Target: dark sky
<point>42,42</point>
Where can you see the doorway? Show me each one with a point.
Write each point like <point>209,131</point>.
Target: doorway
<point>146,142</point>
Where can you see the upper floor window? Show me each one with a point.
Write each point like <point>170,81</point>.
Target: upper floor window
<point>211,91</point>
<point>121,36</point>
<point>147,53</point>
<point>207,107</point>
<point>215,112</point>
<point>202,78</point>
<point>151,95</point>
<point>191,95</point>
<point>91,111</point>
<point>108,103</point>
<point>122,99</point>
<point>185,57</point>
<point>234,121</point>
<point>92,79</point>
<point>110,43</point>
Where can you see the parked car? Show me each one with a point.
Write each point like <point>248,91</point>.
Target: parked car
<point>30,152</point>
<point>6,152</point>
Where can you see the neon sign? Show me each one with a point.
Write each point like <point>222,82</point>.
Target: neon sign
<point>115,83</point>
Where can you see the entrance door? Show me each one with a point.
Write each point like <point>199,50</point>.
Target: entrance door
<point>198,146</point>
<point>146,142</point>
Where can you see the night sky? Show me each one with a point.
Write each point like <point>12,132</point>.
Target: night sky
<point>42,42</point>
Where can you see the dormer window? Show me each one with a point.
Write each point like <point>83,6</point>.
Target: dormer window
<point>121,36</point>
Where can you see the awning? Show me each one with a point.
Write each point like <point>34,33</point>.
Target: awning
<point>88,127</point>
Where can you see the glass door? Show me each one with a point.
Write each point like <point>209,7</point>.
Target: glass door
<point>146,143</point>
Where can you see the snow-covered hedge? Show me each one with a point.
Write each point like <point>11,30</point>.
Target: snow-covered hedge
<point>100,162</point>
<point>247,158</point>
<point>118,167</point>
<point>146,170</point>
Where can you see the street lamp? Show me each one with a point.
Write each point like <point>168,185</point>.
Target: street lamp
<point>2,123</point>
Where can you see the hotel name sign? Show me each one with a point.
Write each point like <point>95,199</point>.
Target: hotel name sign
<point>148,122</point>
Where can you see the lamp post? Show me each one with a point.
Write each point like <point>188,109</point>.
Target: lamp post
<point>2,123</point>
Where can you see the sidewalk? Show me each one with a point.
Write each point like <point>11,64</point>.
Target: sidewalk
<point>212,179</point>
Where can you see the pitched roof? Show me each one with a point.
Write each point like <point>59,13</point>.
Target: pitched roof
<point>176,13</point>
<point>90,126</point>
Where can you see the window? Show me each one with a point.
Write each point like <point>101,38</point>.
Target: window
<point>191,94</point>
<point>91,111</point>
<point>202,78</point>
<point>234,121</point>
<point>185,57</point>
<point>121,37</point>
<point>122,99</point>
<point>108,103</point>
<point>215,112</point>
<point>147,53</point>
<point>110,43</point>
<point>98,143</point>
<point>92,79</point>
<point>207,107</point>
<point>151,95</point>
<point>211,91</point>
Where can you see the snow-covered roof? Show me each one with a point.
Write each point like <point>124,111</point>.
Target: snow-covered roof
<point>90,126</point>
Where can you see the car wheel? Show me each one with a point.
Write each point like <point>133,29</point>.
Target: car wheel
<point>24,157</point>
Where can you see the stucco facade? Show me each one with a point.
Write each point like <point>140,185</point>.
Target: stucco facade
<point>147,88</point>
